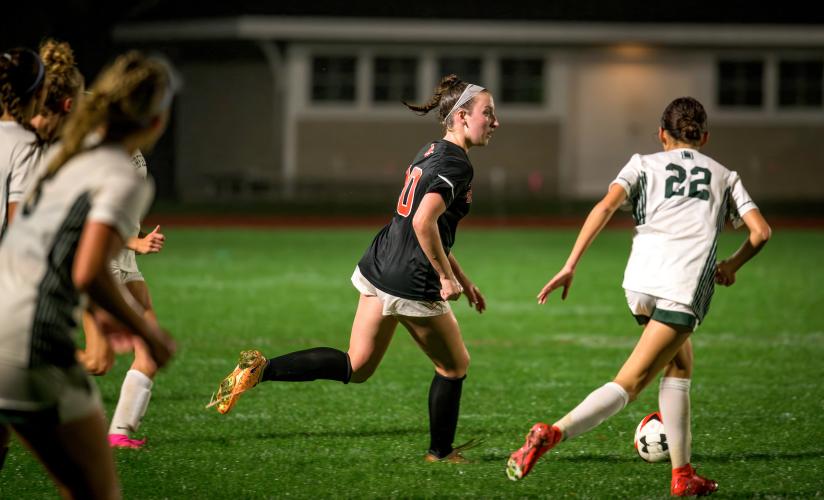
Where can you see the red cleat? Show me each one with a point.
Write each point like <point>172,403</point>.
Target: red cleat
<point>686,483</point>
<point>541,439</point>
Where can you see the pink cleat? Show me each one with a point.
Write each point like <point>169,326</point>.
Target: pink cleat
<point>124,441</point>
<point>541,439</point>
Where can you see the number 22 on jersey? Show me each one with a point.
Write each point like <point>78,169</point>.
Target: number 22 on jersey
<point>407,197</point>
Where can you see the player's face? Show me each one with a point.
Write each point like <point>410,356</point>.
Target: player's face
<point>45,123</point>
<point>482,122</point>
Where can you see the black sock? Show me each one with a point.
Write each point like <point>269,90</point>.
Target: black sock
<point>4,450</point>
<point>444,405</point>
<point>311,364</point>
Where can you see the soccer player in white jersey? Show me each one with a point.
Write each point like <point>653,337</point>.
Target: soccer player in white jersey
<point>98,354</point>
<point>680,200</point>
<point>73,220</point>
<point>21,92</point>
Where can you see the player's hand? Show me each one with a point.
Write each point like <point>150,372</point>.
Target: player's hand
<point>562,279</point>
<point>724,273</point>
<point>151,243</point>
<point>450,288</point>
<point>96,363</point>
<point>475,297</point>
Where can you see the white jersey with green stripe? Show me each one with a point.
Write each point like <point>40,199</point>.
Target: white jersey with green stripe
<point>38,300</point>
<point>680,200</point>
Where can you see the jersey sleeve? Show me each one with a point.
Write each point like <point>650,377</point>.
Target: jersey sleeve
<point>450,180</point>
<point>23,168</point>
<point>628,178</point>
<point>740,201</point>
<point>121,200</point>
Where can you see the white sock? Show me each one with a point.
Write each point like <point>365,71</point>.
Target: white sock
<point>134,399</point>
<point>601,404</point>
<point>674,403</point>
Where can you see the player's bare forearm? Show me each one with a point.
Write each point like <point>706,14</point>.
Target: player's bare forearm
<point>425,225</point>
<point>595,222</point>
<point>760,233</point>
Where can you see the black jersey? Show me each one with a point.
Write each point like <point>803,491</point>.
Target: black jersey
<point>395,261</point>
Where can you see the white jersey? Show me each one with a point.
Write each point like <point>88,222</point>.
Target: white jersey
<point>125,260</point>
<point>38,300</point>
<point>680,200</point>
<point>18,157</point>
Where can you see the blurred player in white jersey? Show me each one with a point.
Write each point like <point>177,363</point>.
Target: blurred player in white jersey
<point>64,84</point>
<point>73,220</point>
<point>22,76</point>
<point>680,200</point>
<point>98,356</point>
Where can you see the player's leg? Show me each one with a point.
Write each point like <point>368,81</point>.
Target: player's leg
<point>657,346</point>
<point>370,337</point>
<point>76,455</point>
<point>674,404</point>
<point>136,390</point>
<point>440,338</point>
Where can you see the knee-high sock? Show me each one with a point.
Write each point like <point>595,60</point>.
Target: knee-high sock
<point>674,403</point>
<point>444,405</point>
<point>311,364</point>
<point>601,404</point>
<point>134,399</point>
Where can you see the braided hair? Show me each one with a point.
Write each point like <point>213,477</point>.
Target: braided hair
<point>22,75</point>
<point>124,99</point>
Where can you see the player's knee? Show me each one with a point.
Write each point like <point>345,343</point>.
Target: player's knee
<point>361,374</point>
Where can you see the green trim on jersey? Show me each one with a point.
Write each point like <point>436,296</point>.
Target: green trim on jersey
<point>706,283</point>
<point>674,318</point>
<point>639,200</point>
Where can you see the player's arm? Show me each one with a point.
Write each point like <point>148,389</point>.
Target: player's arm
<point>98,243</point>
<point>11,210</point>
<point>473,293</point>
<point>425,224</point>
<point>760,233</point>
<point>147,243</point>
<point>594,223</point>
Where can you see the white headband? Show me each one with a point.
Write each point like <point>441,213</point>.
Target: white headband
<point>469,92</point>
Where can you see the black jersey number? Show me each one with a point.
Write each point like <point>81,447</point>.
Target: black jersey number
<point>674,186</point>
<point>407,197</point>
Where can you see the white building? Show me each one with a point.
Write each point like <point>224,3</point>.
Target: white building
<point>281,108</point>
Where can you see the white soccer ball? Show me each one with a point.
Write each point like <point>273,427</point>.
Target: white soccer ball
<point>651,439</point>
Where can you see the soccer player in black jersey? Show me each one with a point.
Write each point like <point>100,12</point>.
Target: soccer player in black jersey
<point>406,276</point>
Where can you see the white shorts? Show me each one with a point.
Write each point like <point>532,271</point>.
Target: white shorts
<point>645,306</point>
<point>47,394</point>
<point>397,306</point>
<point>124,267</point>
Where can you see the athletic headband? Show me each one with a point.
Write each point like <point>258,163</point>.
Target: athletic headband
<point>41,72</point>
<point>469,92</point>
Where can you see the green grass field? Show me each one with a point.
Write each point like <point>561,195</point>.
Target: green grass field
<point>758,389</point>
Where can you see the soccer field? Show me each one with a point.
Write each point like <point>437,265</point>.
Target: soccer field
<point>757,397</point>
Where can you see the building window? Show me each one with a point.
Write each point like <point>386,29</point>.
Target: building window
<point>522,80</point>
<point>395,79</point>
<point>800,84</point>
<point>741,83</point>
<point>468,69</point>
<point>333,79</point>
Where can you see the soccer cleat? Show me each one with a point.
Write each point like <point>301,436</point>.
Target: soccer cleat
<point>124,441</point>
<point>687,483</point>
<point>246,375</point>
<point>541,438</point>
<point>456,455</point>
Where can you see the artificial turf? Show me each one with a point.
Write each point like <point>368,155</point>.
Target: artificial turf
<point>757,394</point>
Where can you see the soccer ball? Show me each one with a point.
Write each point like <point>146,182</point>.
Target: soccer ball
<point>651,439</point>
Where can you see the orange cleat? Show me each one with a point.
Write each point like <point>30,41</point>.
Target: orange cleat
<point>246,375</point>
